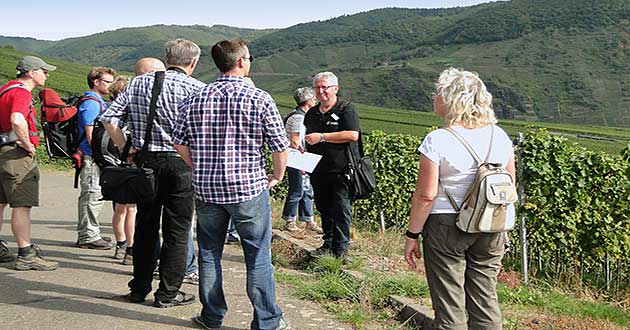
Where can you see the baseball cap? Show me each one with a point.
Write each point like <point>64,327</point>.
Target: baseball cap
<point>28,63</point>
<point>303,94</point>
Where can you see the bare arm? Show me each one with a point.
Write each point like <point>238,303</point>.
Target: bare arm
<point>20,127</point>
<point>279,160</point>
<point>184,151</point>
<point>295,140</point>
<point>511,168</point>
<point>421,205</point>
<point>115,134</point>
<point>88,133</point>
<point>335,137</point>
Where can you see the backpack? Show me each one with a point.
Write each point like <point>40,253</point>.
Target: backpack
<point>10,136</point>
<point>488,206</point>
<point>104,151</point>
<point>60,123</point>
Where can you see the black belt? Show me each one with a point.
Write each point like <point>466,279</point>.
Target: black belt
<point>163,154</point>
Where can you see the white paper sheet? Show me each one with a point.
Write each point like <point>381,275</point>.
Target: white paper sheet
<point>302,161</point>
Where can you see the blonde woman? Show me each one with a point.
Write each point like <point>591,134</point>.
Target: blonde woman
<point>124,218</point>
<point>461,268</point>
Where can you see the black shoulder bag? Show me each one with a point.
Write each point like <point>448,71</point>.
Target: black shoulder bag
<point>359,172</point>
<point>131,184</point>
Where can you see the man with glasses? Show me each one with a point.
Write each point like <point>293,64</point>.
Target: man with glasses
<point>174,199</point>
<point>19,175</point>
<point>220,134</point>
<point>90,107</point>
<point>332,126</point>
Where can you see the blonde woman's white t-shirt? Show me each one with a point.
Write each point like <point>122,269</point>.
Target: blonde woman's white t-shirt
<point>457,167</point>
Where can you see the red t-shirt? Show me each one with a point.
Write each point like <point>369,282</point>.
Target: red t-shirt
<point>17,100</point>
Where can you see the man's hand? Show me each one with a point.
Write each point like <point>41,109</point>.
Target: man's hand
<point>29,147</point>
<point>272,181</point>
<point>131,156</point>
<point>313,138</point>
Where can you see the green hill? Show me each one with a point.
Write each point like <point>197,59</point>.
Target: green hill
<point>68,79</point>
<point>543,60</point>
<point>551,60</point>
<point>121,48</point>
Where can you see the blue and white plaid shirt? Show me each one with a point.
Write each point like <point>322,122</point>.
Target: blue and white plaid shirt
<point>225,126</point>
<point>133,105</point>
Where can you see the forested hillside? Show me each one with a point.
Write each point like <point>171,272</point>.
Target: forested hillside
<point>552,60</point>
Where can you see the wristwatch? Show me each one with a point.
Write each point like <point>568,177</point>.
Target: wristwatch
<point>322,137</point>
<point>413,235</point>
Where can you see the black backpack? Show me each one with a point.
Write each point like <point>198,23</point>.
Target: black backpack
<point>104,151</point>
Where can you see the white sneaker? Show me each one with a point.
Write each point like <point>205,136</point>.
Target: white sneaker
<point>292,227</point>
<point>284,324</point>
<point>313,227</point>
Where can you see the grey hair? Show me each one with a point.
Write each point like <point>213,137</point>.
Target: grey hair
<point>303,94</point>
<point>181,52</point>
<point>466,98</point>
<point>328,76</point>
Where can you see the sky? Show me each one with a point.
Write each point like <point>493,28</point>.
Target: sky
<point>54,20</point>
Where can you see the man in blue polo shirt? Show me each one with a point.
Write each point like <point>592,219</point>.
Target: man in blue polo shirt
<point>90,203</point>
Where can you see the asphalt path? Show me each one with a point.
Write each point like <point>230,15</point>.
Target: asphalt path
<point>84,293</point>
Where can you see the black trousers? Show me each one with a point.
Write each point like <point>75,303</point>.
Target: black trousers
<point>332,199</point>
<point>174,203</point>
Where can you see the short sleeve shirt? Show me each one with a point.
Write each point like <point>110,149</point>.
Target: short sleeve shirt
<point>334,158</point>
<point>88,111</point>
<point>456,166</point>
<point>295,124</point>
<point>17,100</point>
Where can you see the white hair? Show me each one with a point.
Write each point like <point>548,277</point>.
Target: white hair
<point>330,78</point>
<point>466,98</point>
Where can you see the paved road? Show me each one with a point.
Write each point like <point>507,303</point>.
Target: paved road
<point>83,293</point>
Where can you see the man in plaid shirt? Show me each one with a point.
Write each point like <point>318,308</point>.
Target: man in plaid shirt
<point>174,201</point>
<point>220,134</point>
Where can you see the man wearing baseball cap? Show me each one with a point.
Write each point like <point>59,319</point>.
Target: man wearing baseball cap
<point>19,175</point>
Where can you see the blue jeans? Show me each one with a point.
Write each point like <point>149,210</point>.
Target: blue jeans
<point>299,197</point>
<point>253,223</point>
<point>191,260</point>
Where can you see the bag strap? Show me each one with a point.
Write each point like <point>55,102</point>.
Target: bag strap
<point>30,109</point>
<point>155,92</point>
<point>81,100</point>
<point>349,156</point>
<point>472,152</point>
<point>470,148</point>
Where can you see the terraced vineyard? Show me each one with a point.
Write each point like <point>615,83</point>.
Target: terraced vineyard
<point>399,121</point>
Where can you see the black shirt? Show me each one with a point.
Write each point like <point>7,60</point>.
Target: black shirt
<point>334,158</point>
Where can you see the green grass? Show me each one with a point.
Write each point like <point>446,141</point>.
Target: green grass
<point>558,303</point>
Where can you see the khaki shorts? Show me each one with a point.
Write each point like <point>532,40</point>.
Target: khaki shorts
<point>19,177</point>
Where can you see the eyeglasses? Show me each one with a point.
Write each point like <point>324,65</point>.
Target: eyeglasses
<point>250,58</point>
<point>106,81</point>
<point>324,88</point>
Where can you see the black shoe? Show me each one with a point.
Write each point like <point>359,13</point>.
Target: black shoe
<point>321,251</point>
<point>128,258</point>
<point>134,297</point>
<point>99,244</point>
<point>180,299</point>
